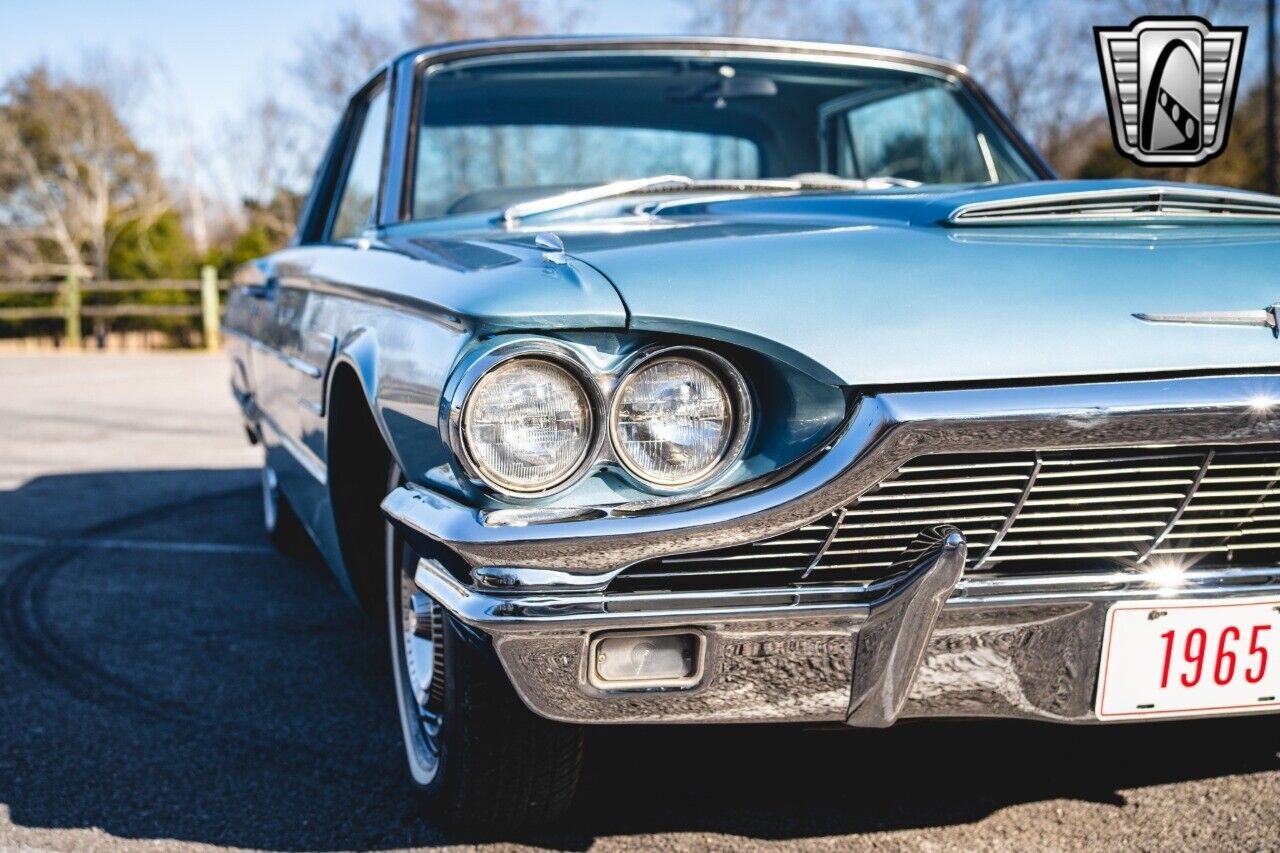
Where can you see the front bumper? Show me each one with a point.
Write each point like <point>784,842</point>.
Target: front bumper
<point>925,642</point>
<point>928,646</point>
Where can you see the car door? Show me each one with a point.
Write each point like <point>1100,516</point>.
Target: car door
<point>296,347</point>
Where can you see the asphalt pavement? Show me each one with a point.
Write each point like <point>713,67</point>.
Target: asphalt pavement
<point>169,682</point>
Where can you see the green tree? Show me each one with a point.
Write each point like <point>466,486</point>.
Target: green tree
<point>160,249</point>
<point>269,227</point>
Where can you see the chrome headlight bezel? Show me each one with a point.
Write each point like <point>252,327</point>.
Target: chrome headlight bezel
<point>740,410</point>
<point>600,375</point>
<point>461,395</point>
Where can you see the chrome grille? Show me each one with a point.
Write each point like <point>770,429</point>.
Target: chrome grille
<point>1050,511</point>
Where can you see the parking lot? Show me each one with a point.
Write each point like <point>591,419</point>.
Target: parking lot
<point>168,680</point>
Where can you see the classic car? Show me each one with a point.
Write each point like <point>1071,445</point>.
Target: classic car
<point>691,380</point>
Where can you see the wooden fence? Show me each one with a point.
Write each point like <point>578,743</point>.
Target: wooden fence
<point>67,303</point>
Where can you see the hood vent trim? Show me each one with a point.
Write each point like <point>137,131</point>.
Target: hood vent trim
<point>1141,204</point>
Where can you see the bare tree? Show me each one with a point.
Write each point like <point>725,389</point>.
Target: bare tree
<point>727,17</point>
<point>435,21</point>
<point>71,177</point>
<point>811,19</point>
<point>332,63</point>
<point>272,152</point>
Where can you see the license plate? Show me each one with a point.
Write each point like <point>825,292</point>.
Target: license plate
<point>1167,659</point>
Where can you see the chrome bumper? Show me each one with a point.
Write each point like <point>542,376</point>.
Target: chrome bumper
<point>927,643</point>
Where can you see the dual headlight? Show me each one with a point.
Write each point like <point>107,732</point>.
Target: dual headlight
<point>676,419</point>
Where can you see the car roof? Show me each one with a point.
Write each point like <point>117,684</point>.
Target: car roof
<point>873,56</point>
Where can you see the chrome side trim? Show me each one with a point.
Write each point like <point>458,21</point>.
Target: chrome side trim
<point>886,430</point>
<point>304,457</point>
<point>303,367</point>
<point>1267,318</point>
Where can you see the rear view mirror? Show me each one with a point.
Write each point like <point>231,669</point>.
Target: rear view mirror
<point>723,88</point>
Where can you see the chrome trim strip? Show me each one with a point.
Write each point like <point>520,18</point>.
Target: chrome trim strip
<point>1115,585</point>
<point>887,430</point>
<point>520,608</point>
<point>303,456</point>
<point>538,580</point>
<point>1155,203</point>
<point>1009,521</point>
<point>305,368</point>
<point>1182,508</point>
<point>1266,318</point>
<point>826,543</point>
<point>586,610</point>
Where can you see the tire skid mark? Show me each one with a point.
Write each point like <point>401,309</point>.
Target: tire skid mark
<point>26,626</point>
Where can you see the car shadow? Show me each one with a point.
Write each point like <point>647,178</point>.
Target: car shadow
<point>164,676</point>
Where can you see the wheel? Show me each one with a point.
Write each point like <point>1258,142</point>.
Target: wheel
<point>284,529</point>
<point>477,756</point>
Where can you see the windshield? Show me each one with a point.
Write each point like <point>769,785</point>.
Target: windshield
<point>500,131</point>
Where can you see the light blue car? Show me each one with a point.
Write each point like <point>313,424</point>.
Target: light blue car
<point>682,380</point>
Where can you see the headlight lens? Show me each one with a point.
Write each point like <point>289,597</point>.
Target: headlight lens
<point>674,422</point>
<point>527,425</point>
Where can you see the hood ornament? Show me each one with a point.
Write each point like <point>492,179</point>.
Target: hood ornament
<point>552,248</point>
<point>1266,317</point>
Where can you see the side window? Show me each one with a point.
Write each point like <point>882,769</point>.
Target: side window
<point>360,188</point>
<point>922,135</point>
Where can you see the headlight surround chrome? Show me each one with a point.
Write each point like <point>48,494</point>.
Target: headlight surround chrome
<point>527,426</point>
<point>696,413</point>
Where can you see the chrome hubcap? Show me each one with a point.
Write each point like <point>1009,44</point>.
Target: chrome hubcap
<point>420,638</point>
<point>417,646</point>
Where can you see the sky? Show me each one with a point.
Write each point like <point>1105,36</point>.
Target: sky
<point>208,60</point>
<point>211,55</point>
<point>216,51</point>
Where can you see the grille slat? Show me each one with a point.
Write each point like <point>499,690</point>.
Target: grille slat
<point>1051,511</point>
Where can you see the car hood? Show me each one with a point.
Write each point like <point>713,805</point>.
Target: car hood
<point>892,288</point>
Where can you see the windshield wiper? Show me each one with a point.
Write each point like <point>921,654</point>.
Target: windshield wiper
<point>559,201</point>
<point>825,181</point>
<point>808,181</point>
